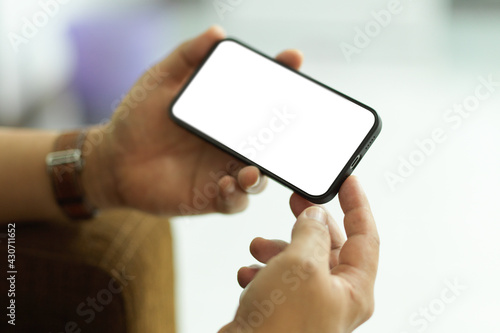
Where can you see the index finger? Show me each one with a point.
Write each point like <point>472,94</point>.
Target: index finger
<point>311,239</point>
<point>361,250</point>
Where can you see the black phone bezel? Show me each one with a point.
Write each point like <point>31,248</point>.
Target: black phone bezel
<point>346,171</point>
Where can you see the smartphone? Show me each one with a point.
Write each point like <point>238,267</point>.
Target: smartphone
<point>296,130</point>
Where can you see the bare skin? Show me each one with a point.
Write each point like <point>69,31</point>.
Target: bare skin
<point>320,282</point>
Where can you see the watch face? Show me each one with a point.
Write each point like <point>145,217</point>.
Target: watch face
<point>64,165</point>
<point>64,157</point>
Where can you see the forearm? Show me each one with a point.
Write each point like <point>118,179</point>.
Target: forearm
<point>25,188</point>
<point>26,192</point>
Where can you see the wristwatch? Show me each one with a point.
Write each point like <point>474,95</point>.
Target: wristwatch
<point>64,166</point>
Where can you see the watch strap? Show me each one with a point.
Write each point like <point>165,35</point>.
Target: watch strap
<point>64,166</point>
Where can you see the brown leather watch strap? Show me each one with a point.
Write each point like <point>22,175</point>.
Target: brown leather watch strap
<point>64,166</point>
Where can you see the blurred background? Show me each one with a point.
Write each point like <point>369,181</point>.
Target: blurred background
<point>431,70</point>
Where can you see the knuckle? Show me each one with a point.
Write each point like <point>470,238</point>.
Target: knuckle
<point>311,266</point>
<point>305,263</point>
<point>312,229</point>
<point>374,241</point>
<point>292,258</point>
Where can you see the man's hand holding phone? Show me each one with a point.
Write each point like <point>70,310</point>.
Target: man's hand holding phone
<point>143,160</point>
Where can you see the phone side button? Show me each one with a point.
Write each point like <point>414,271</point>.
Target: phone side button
<point>356,161</point>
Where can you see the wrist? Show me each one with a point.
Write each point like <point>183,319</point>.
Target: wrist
<point>98,176</point>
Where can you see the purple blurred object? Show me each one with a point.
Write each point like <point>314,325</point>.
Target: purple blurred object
<point>111,53</point>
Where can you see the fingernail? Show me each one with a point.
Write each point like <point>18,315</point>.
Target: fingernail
<point>317,213</point>
<point>218,29</point>
<point>255,184</point>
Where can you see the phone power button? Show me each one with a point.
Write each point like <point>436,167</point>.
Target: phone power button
<point>355,162</point>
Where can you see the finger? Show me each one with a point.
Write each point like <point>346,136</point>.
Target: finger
<point>311,239</point>
<point>298,204</point>
<point>247,274</point>
<point>361,250</point>
<point>251,180</point>
<point>291,58</point>
<point>245,290</point>
<point>264,249</point>
<point>231,198</point>
<point>188,55</point>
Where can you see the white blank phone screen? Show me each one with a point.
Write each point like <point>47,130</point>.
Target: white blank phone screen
<point>289,125</point>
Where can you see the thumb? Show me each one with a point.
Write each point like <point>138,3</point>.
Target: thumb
<point>311,239</point>
<point>183,60</point>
